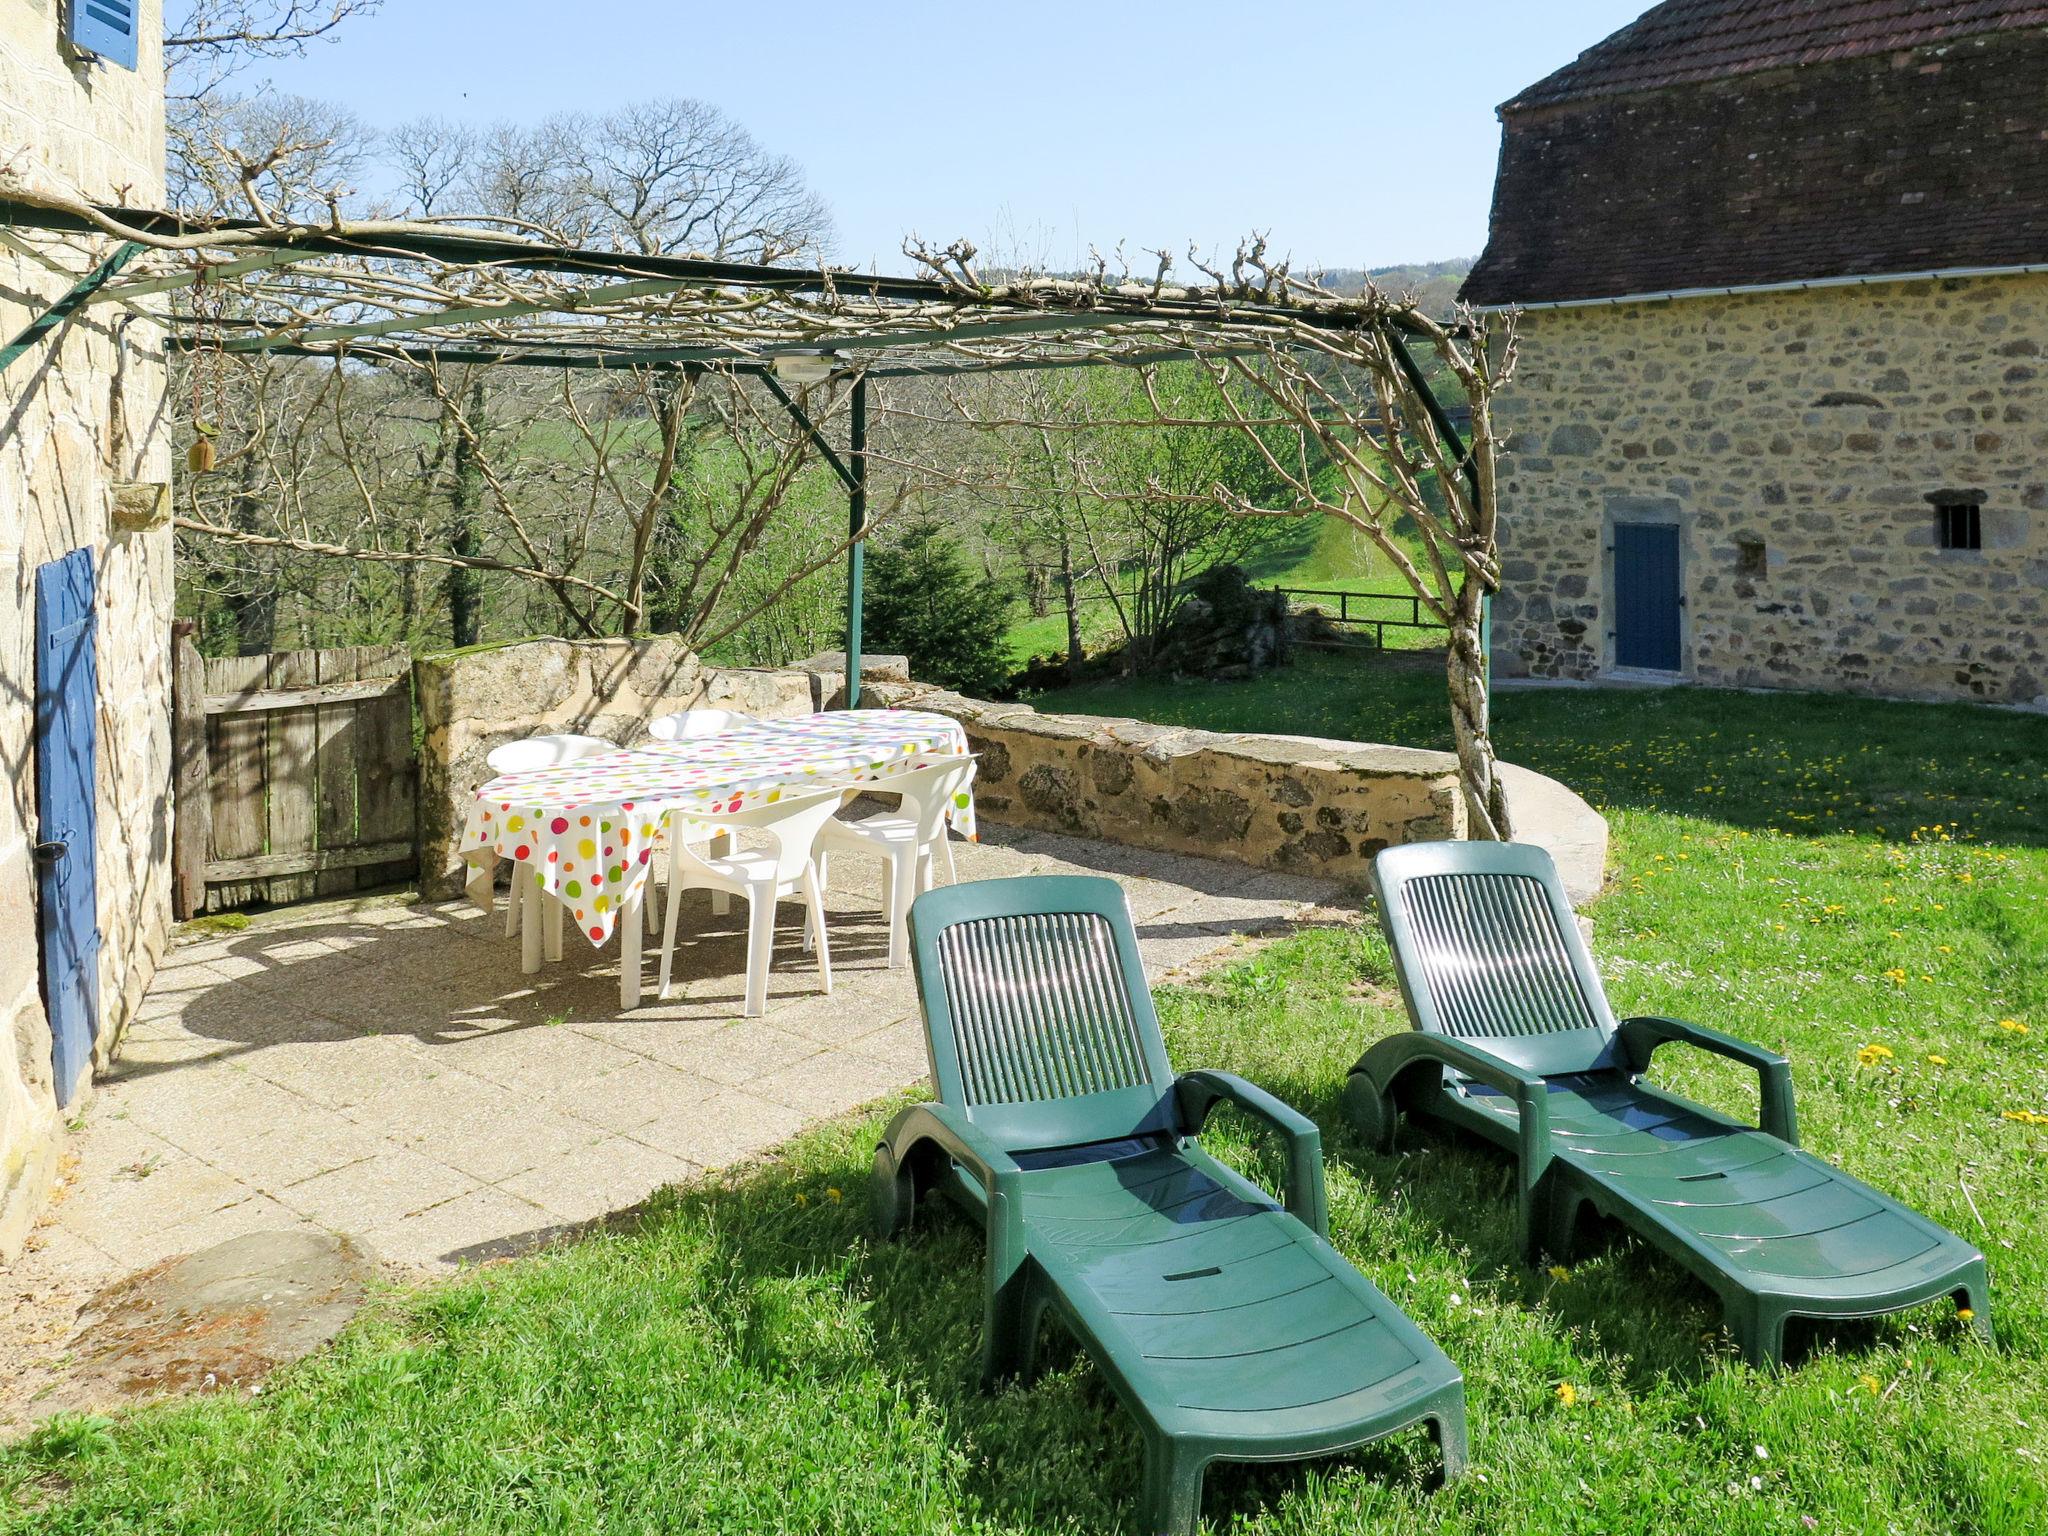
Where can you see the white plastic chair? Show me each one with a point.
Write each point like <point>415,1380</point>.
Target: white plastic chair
<point>764,876</point>
<point>904,839</point>
<point>524,756</point>
<point>694,724</point>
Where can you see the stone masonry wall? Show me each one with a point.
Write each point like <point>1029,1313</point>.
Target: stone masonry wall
<point>475,700</point>
<point>77,417</point>
<point>1796,440</point>
<point>1278,802</point>
<point>1294,803</point>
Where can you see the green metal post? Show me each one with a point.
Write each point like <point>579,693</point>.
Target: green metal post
<point>74,300</point>
<point>1448,433</point>
<point>857,527</point>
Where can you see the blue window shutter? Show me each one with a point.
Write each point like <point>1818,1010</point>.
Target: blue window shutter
<point>107,28</point>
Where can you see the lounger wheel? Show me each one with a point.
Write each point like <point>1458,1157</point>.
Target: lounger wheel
<point>1371,1111</point>
<point>892,1195</point>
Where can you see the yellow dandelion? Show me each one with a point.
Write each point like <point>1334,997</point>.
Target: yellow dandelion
<point>803,1199</point>
<point>1869,1384</point>
<point>1936,1061</point>
<point>832,1194</point>
<point>1567,1394</point>
<point>1896,976</point>
<point>1874,1053</point>
<point>1965,1314</point>
<point>2012,1026</point>
<point>1559,1272</point>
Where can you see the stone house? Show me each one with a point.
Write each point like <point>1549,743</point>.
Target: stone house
<point>1781,412</point>
<point>84,472</point>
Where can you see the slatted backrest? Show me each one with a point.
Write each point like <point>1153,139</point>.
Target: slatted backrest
<point>1486,949</point>
<point>1036,1012</point>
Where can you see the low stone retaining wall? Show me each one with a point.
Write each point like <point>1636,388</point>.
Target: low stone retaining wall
<point>472,701</point>
<point>1295,803</point>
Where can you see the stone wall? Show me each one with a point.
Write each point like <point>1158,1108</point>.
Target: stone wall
<point>79,417</point>
<point>1294,803</point>
<point>1796,439</point>
<point>1279,802</point>
<point>474,700</point>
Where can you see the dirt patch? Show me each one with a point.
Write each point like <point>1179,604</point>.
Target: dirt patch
<point>219,1319</point>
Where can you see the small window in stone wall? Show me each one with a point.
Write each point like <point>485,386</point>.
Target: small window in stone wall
<point>1959,525</point>
<point>1751,557</point>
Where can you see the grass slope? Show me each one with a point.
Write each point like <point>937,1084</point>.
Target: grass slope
<point>1323,553</point>
<point>1819,875</point>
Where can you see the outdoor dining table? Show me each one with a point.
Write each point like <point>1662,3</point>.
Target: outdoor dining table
<point>584,832</point>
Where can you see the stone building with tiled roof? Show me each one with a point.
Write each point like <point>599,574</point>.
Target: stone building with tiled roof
<point>1781,415</point>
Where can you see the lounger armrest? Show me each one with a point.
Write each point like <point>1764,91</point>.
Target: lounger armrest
<point>1387,1059</point>
<point>1199,1092</point>
<point>949,1131</point>
<point>1640,1037</point>
<point>960,1139</point>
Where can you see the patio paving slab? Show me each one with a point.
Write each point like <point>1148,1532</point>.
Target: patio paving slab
<point>379,1069</point>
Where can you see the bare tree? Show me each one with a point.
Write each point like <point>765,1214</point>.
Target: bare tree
<point>520,174</point>
<point>1302,395</point>
<point>1371,418</point>
<point>207,42</point>
<point>1310,379</point>
<point>436,163</point>
<point>269,156</point>
<point>677,175</point>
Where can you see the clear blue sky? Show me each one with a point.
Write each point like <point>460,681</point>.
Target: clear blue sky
<point>1360,132</point>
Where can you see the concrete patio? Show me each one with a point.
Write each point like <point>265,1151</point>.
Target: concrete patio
<point>382,1069</point>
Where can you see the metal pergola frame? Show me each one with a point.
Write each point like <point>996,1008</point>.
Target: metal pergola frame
<point>927,326</point>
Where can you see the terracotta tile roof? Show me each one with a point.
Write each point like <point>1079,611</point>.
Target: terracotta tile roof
<point>1873,159</point>
<point>1691,40</point>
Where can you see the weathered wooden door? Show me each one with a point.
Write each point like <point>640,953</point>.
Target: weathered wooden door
<point>1647,596</point>
<point>67,688</point>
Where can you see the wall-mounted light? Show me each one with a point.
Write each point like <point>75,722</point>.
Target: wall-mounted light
<point>803,368</point>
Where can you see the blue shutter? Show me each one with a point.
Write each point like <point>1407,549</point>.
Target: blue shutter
<point>107,28</point>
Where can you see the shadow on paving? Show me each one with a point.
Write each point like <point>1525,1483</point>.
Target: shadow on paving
<point>438,981</point>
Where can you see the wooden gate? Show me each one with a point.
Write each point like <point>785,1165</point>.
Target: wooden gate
<point>296,774</point>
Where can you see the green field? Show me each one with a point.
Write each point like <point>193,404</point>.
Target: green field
<point>1824,876</point>
<point>1318,552</point>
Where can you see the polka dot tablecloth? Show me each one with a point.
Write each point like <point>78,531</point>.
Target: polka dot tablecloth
<point>584,831</point>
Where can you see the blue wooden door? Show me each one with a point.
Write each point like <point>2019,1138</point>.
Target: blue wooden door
<point>1647,596</point>
<point>67,687</point>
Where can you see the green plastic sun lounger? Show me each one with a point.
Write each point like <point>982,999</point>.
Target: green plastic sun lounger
<point>1513,1039</point>
<point>1227,1325</point>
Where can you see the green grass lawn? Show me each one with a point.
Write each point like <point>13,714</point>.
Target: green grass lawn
<point>1822,876</point>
